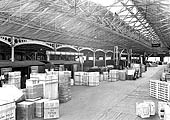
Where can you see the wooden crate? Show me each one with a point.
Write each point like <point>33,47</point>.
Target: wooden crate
<point>39,107</point>
<point>25,110</point>
<point>14,78</point>
<point>78,78</point>
<point>51,109</point>
<point>51,89</point>
<point>34,90</point>
<point>113,75</point>
<point>122,75</point>
<point>64,92</point>
<point>64,76</point>
<point>7,110</point>
<point>85,78</point>
<point>105,76</point>
<point>93,78</point>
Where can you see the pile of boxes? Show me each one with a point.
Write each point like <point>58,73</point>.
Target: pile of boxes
<point>93,78</point>
<point>113,75</point>
<point>105,76</point>
<point>160,90</point>
<point>41,97</point>
<point>43,92</point>
<point>14,78</point>
<point>79,78</point>
<point>43,108</point>
<point>64,86</point>
<point>87,78</point>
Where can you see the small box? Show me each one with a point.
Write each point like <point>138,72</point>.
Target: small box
<point>51,109</point>
<point>39,107</point>
<point>122,74</point>
<point>25,110</point>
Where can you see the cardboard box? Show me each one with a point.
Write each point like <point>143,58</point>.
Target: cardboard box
<point>25,110</point>
<point>7,110</point>
<point>34,90</point>
<point>51,109</point>
<point>39,107</point>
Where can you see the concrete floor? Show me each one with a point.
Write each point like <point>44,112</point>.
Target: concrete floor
<point>110,100</point>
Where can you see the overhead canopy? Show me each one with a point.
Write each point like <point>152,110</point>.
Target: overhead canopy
<point>20,64</point>
<point>122,23</point>
<point>63,62</point>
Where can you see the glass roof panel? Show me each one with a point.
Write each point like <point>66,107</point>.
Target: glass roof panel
<point>116,6</point>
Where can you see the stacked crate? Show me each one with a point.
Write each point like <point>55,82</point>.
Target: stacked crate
<point>50,86</point>
<point>160,90</point>
<point>7,110</point>
<point>122,75</point>
<point>105,76</point>
<point>85,79</point>
<point>93,78</point>
<point>163,91</point>
<point>64,86</point>
<point>101,78</point>
<point>37,77</point>
<point>34,90</point>
<point>39,107</point>
<point>153,89</point>
<point>14,78</point>
<point>113,75</point>
<point>48,81</point>
<point>35,106</point>
<point>78,78</point>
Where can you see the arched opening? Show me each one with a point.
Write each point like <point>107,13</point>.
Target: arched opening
<point>31,52</point>
<point>88,58</point>
<point>109,58</point>
<point>5,51</point>
<point>100,58</point>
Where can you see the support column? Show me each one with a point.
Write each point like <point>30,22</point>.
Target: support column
<point>141,62</point>
<point>105,64</point>
<point>48,57</point>
<point>116,56</point>
<point>12,50</point>
<point>161,58</point>
<point>12,54</point>
<point>94,58</point>
<point>35,55</point>
<point>129,57</point>
<point>55,49</point>
<point>81,60</point>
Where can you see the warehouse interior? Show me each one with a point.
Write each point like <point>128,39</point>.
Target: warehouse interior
<point>92,59</point>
